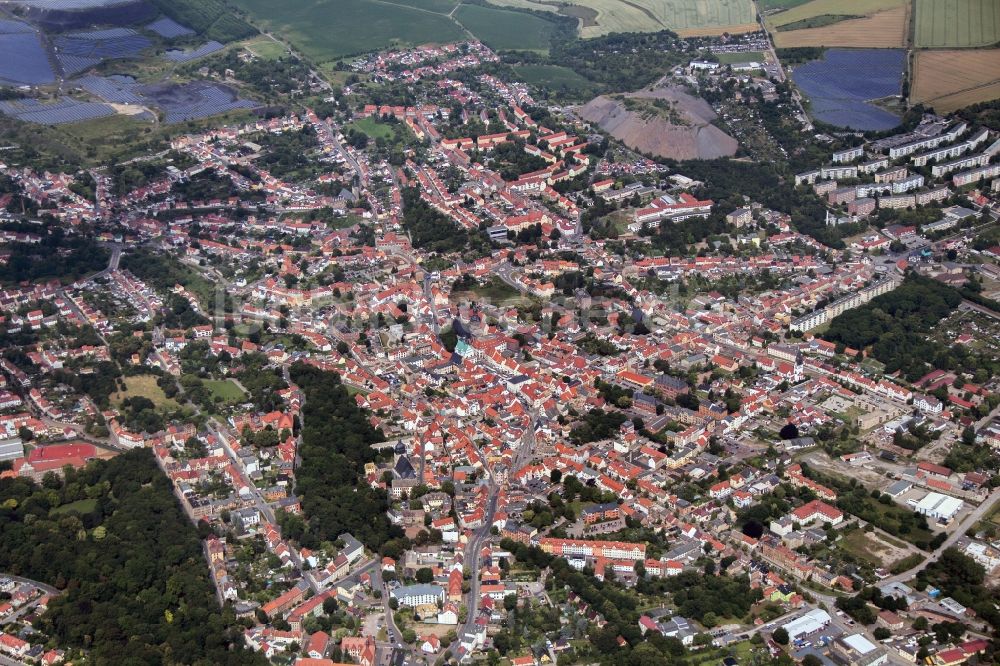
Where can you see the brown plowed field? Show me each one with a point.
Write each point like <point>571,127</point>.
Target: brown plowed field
<point>950,80</point>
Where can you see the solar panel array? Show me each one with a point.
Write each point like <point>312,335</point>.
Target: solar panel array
<point>198,99</point>
<point>187,56</point>
<point>115,89</point>
<point>66,110</point>
<point>23,61</point>
<point>78,51</point>
<point>168,28</point>
<point>70,5</point>
<point>8,27</point>
<point>179,102</point>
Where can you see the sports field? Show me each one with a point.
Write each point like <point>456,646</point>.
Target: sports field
<point>736,58</point>
<point>950,80</point>
<point>956,23</point>
<point>686,17</point>
<point>883,29</point>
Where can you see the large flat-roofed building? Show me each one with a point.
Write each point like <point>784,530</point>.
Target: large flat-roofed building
<point>856,650</point>
<point>939,506</point>
<point>813,621</point>
<point>11,449</point>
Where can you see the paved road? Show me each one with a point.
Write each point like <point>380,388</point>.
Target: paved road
<point>48,589</point>
<point>956,534</point>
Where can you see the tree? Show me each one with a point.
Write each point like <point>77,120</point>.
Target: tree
<point>811,660</point>
<point>789,431</point>
<point>424,575</point>
<point>555,476</point>
<point>969,435</point>
<point>780,636</point>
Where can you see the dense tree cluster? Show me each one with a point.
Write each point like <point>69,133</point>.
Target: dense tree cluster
<point>273,78</point>
<point>896,325</point>
<point>621,61</point>
<point>597,425</point>
<point>708,599</point>
<point>962,578</point>
<point>163,272</point>
<point>213,19</point>
<point>135,585</point>
<point>430,229</point>
<point>287,155</point>
<point>205,186</point>
<point>55,257</point>
<point>510,160</point>
<point>336,444</point>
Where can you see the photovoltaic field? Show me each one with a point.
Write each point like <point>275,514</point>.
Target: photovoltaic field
<point>169,28</point>
<point>23,61</point>
<point>78,51</point>
<point>187,56</point>
<point>65,110</point>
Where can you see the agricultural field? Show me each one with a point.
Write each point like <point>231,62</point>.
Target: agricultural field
<point>956,23</point>
<point>506,29</point>
<point>882,30</point>
<point>686,17</point>
<point>816,8</point>
<point>952,79</point>
<point>768,6</point>
<point>327,30</point>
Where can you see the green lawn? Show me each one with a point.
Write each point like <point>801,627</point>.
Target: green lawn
<point>145,386</point>
<point>326,30</point>
<point>505,28</point>
<point>373,128</point>
<point>79,506</point>
<point>225,389</point>
<point>266,48</point>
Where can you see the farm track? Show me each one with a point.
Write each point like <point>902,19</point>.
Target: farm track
<point>645,11</point>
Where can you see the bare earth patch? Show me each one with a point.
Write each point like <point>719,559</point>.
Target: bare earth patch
<point>691,136</point>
